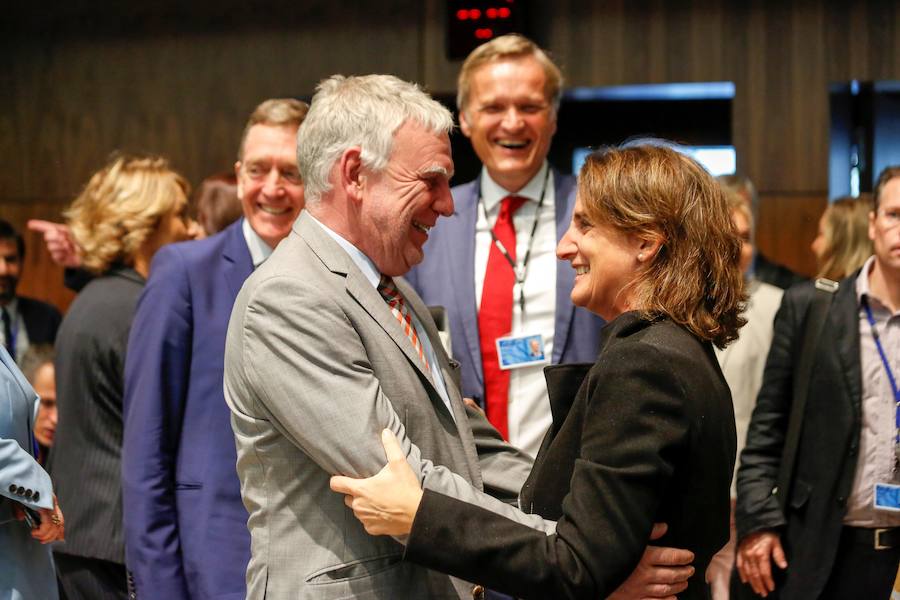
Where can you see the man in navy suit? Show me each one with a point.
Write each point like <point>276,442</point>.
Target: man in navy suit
<point>185,525</point>
<point>508,96</point>
<point>23,321</point>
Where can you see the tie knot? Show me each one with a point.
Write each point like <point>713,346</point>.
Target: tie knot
<point>388,289</point>
<point>509,206</point>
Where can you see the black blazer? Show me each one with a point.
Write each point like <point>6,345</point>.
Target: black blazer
<point>826,456</point>
<point>648,436</point>
<point>41,320</point>
<point>85,461</point>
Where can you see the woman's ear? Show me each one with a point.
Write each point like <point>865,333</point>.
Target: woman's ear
<point>648,245</point>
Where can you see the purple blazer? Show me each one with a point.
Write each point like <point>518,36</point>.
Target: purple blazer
<point>447,278</point>
<point>185,525</point>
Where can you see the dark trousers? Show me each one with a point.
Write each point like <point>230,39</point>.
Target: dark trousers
<point>83,578</point>
<point>859,571</point>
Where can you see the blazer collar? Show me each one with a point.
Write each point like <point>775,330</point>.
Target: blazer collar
<point>842,330</point>
<point>361,289</point>
<point>236,254</point>
<point>466,202</point>
<point>565,274</point>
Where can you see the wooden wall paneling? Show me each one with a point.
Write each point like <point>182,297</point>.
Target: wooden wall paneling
<point>40,278</point>
<point>787,226</point>
<point>807,153</point>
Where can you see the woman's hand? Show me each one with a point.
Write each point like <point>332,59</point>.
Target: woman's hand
<point>386,503</point>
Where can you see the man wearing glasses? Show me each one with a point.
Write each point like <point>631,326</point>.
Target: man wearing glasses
<point>185,525</point>
<point>839,533</point>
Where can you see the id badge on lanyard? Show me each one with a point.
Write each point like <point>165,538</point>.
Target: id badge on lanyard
<point>887,494</point>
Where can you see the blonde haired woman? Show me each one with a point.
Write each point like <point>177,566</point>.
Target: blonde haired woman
<point>127,211</point>
<point>843,244</point>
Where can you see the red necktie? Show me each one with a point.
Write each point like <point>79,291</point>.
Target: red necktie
<point>495,314</point>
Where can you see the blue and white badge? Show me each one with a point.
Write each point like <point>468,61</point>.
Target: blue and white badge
<point>520,351</point>
<point>887,496</point>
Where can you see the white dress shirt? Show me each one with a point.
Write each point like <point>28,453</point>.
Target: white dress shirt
<point>259,249</point>
<point>529,406</point>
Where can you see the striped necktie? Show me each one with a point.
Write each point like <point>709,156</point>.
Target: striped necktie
<point>394,299</point>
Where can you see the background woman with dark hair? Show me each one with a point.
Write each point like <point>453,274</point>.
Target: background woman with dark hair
<point>645,434</point>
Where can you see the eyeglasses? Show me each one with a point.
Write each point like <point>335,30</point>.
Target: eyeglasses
<point>258,172</point>
<point>891,217</point>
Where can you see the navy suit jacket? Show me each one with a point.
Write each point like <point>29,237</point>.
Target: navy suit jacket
<point>41,320</point>
<point>446,277</point>
<point>185,525</point>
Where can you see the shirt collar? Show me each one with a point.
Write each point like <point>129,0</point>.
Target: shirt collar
<point>12,307</point>
<point>863,289</point>
<point>365,264</point>
<point>492,192</point>
<point>862,281</point>
<point>259,249</point>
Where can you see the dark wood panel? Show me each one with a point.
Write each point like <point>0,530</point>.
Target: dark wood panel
<point>787,226</point>
<point>40,278</point>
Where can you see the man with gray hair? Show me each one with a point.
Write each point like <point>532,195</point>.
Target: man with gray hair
<point>327,347</point>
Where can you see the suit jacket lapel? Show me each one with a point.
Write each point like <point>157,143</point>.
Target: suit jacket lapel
<point>565,274</point>
<point>843,332</point>
<point>239,264</point>
<point>464,278</point>
<point>361,290</point>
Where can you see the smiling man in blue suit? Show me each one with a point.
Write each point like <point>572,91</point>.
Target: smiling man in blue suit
<point>493,264</point>
<point>185,525</point>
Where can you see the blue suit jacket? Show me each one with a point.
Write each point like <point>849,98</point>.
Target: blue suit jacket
<point>446,277</point>
<point>26,566</point>
<point>185,525</point>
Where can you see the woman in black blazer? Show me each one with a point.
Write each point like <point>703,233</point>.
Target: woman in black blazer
<point>645,434</point>
<point>127,211</point>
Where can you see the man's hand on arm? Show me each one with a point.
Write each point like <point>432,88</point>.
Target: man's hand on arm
<point>754,555</point>
<point>661,574</point>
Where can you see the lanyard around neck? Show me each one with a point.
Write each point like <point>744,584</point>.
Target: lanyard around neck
<point>518,271</point>
<point>891,378</point>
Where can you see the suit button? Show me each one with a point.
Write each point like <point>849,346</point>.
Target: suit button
<point>20,491</point>
<point>37,496</point>
<point>12,489</point>
<point>28,494</point>
<point>478,592</point>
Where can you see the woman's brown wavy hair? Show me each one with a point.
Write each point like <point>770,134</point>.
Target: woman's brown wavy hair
<point>658,193</point>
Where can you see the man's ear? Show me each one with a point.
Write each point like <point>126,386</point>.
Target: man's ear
<point>237,176</point>
<point>352,178</point>
<point>464,124</point>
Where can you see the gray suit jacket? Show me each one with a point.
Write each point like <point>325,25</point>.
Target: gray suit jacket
<point>26,566</point>
<point>315,367</point>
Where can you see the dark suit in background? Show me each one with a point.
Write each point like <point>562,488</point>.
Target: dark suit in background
<point>827,455</point>
<point>41,320</point>
<point>446,277</point>
<point>644,435</point>
<point>85,460</point>
<point>183,512</point>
